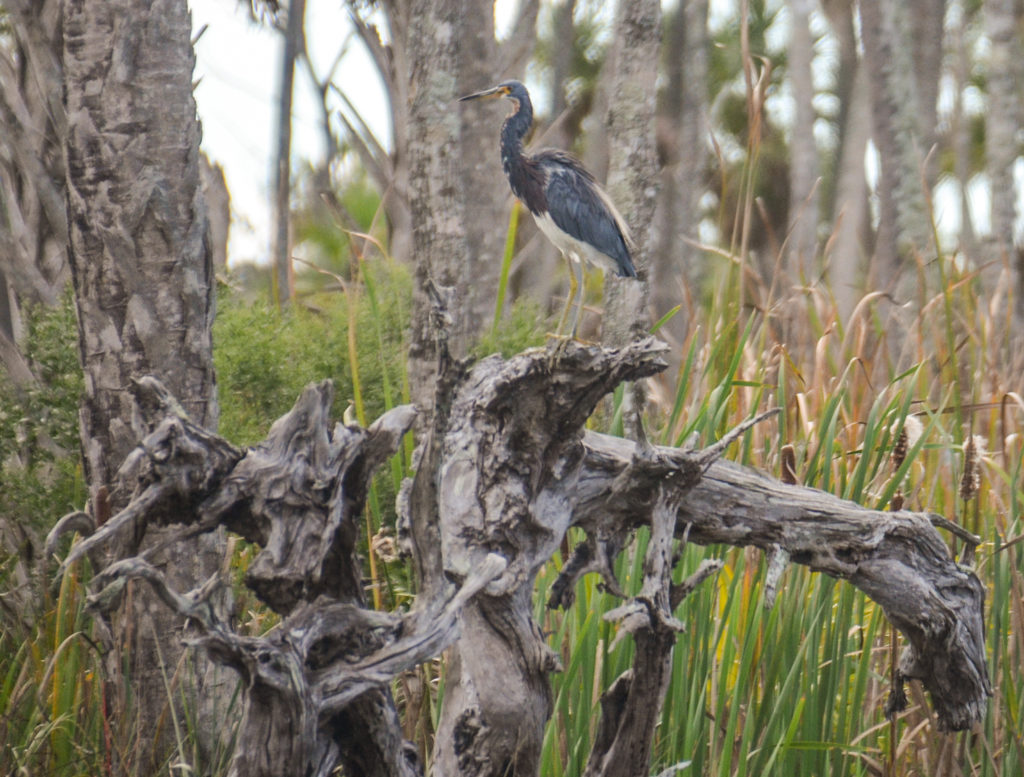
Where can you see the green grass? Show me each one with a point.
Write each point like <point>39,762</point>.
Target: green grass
<point>51,692</point>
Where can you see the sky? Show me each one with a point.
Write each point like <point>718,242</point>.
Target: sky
<point>237,70</point>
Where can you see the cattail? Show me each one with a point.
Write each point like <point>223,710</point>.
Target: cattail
<point>384,545</point>
<point>909,434</point>
<point>788,465</point>
<point>970,482</point>
<point>899,453</point>
<point>897,501</point>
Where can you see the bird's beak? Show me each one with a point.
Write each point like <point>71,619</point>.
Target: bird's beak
<point>497,91</point>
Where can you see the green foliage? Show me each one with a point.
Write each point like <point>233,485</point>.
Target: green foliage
<point>265,357</point>
<point>40,471</point>
<point>520,328</point>
<point>51,692</point>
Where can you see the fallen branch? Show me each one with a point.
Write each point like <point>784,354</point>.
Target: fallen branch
<point>896,558</point>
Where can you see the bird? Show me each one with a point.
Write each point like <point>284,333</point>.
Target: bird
<point>569,206</point>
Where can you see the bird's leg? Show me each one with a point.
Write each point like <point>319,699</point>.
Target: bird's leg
<point>563,339</point>
<point>568,302</point>
<point>577,283</point>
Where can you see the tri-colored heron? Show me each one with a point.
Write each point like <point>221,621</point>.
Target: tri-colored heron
<point>570,208</point>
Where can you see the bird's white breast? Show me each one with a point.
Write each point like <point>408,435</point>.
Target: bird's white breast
<point>575,250</point>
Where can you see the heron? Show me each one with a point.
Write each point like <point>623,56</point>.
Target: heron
<point>568,204</point>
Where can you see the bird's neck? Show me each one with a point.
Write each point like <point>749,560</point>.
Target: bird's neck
<point>512,132</point>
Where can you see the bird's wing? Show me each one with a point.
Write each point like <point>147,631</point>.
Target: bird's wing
<point>582,210</point>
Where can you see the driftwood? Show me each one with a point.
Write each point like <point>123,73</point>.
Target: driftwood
<point>504,469</point>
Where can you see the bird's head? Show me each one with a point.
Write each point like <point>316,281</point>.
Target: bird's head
<point>513,90</point>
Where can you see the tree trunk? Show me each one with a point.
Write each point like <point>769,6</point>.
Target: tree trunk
<point>904,231</point>
<point>142,271</point>
<point>280,249</point>
<point>1004,115</point>
<point>804,167</point>
<point>436,193</point>
<point>633,177</point>
<point>675,270</point>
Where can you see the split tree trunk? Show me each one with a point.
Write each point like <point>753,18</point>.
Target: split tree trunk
<point>144,288</point>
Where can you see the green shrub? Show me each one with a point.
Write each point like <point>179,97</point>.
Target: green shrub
<point>40,463</point>
<point>265,357</point>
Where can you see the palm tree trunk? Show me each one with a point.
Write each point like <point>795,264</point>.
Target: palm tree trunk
<point>144,289</point>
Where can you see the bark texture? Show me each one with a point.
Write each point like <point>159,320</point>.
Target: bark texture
<point>142,270</point>
<point>904,230</point>
<point>896,558</point>
<point>436,194</point>
<point>505,484</point>
<point>140,255</point>
<point>317,689</point>
<point>633,177</point>
<point>1005,112</point>
<point>633,166</point>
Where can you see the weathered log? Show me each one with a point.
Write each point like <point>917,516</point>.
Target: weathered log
<point>505,469</point>
<point>896,558</point>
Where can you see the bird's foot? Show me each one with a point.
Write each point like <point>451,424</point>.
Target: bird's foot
<point>556,348</point>
<point>557,345</point>
<point>568,338</point>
